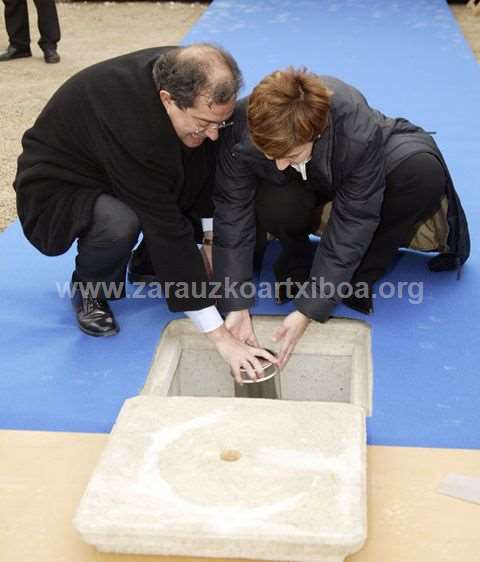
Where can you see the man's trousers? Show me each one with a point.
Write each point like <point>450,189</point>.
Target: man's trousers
<point>16,22</point>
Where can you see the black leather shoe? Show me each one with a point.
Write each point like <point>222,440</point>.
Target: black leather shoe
<point>443,262</point>
<point>285,291</point>
<point>13,53</point>
<point>141,275</point>
<point>51,56</point>
<point>360,304</point>
<point>94,315</point>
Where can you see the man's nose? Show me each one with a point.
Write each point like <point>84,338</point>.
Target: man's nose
<point>282,163</point>
<point>212,134</point>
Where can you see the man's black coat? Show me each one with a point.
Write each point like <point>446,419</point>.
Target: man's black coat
<point>106,131</point>
<point>349,163</point>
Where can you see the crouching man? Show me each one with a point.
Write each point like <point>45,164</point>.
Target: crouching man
<point>128,146</point>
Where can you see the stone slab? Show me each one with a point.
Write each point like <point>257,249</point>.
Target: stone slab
<point>220,477</point>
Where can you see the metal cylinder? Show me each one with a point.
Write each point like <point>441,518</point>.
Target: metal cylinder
<point>267,386</point>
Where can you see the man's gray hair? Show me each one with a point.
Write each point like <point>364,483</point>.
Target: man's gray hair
<point>202,69</point>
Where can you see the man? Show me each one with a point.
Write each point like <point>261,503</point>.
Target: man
<point>124,146</point>
<point>16,22</point>
<point>310,142</point>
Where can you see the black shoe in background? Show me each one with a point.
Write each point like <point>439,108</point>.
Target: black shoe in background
<point>141,273</point>
<point>285,291</point>
<point>14,53</point>
<point>51,56</point>
<point>443,262</point>
<point>360,304</point>
<point>94,315</point>
<point>140,267</point>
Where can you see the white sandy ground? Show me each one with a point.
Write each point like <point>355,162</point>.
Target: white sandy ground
<point>92,32</point>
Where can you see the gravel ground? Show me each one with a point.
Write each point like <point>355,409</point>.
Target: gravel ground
<point>94,32</point>
<point>91,32</point>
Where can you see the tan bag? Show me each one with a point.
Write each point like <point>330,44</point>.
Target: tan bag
<point>430,236</point>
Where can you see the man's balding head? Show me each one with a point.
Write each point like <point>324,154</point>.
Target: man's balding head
<point>201,69</point>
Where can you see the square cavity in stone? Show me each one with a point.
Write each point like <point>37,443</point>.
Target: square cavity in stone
<point>217,477</point>
<point>331,363</point>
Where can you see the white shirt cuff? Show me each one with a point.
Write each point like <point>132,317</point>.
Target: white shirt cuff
<point>207,224</point>
<point>206,319</point>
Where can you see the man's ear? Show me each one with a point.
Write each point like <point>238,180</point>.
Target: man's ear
<point>166,99</point>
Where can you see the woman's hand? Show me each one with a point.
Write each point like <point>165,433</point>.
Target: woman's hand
<point>239,355</point>
<point>239,324</point>
<point>288,334</point>
<point>206,252</point>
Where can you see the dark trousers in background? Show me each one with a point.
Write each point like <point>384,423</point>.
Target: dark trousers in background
<point>16,22</point>
<point>413,193</point>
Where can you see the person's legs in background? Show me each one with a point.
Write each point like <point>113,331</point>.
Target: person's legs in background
<point>101,263</point>
<point>16,22</point>
<point>49,29</point>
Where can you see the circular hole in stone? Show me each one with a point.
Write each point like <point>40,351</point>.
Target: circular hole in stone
<point>230,455</point>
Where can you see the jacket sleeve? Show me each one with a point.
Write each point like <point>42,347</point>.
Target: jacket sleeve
<point>151,192</point>
<point>234,230</point>
<point>352,224</point>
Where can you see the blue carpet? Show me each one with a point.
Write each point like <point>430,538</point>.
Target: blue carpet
<point>410,59</point>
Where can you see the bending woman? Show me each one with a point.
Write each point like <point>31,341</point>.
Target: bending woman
<point>299,143</point>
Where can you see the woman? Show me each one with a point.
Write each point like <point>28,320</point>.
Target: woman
<point>301,142</point>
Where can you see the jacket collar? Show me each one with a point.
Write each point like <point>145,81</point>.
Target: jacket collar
<point>321,163</point>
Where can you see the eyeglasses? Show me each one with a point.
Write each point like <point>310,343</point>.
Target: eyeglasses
<point>213,127</point>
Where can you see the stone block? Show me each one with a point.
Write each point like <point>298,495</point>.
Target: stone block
<point>230,477</point>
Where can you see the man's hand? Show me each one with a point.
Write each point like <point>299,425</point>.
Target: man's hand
<point>239,355</point>
<point>288,334</point>
<point>239,324</point>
